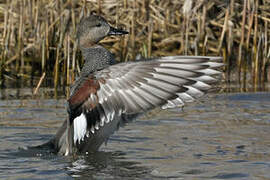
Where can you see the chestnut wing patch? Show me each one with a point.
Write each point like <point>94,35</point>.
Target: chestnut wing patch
<point>87,90</point>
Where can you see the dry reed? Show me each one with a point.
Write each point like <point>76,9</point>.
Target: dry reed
<point>39,36</point>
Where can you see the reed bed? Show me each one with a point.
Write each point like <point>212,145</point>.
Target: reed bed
<point>38,37</point>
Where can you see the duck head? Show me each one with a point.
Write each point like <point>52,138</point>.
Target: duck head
<point>94,28</point>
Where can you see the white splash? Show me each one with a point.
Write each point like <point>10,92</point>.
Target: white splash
<point>80,126</point>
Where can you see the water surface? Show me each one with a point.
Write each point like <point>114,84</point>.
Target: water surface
<point>221,136</point>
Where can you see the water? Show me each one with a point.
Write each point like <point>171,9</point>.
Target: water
<point>222,136</point>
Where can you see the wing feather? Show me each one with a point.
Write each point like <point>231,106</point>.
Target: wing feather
<point>135,87</point>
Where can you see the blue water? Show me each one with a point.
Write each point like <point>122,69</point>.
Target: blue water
<point>221,136</point>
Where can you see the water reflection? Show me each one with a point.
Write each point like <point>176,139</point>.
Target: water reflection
<point>27,92</point>
<point>221,136</point>
<point>245,87</point>
<point>97,165</point>
<point>102,165</point>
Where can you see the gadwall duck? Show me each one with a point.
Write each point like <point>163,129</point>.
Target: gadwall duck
<point>108,93</point>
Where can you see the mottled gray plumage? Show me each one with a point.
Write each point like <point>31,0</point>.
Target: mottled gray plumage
<point>107,94</point>
<point>96,58</point>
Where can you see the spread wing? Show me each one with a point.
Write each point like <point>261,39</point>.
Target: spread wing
<point>135,87</point>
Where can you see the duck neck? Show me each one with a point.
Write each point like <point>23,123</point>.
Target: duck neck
<point>96,58</point>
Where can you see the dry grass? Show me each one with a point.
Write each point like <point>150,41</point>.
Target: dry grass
<point>37,37</point>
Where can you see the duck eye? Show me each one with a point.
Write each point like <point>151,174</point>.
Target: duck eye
<point>98,25</point>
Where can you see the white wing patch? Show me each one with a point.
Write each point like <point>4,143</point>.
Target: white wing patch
<point>80,128</point>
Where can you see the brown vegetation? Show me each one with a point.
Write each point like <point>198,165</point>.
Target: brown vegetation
<point>37,37</point>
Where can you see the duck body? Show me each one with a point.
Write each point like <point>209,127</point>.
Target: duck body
<point>108,94</point>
